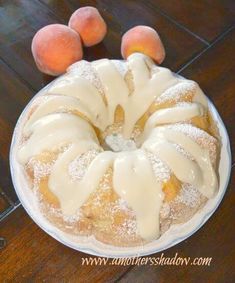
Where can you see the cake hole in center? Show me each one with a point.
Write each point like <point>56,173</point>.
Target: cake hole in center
<point>117,143</point>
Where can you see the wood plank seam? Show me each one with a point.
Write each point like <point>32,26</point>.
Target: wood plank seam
<point>13,207</point>
<point>31,86</point>
<point>18,76</point>
<point>115,26</point>
<point>206,49</point>
<point>124,273</point>
<point>177,23</point>
<point>5,196</point>
<point>60,20</point>
<point>9,210</point>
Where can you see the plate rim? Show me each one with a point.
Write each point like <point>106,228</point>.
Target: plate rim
<point>98,252</point>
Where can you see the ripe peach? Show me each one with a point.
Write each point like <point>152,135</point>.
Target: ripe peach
<point>55,47</point>
<point>143,39</point>
<point>88,22</point>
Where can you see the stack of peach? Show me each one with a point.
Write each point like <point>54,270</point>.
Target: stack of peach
<point>57,46</point>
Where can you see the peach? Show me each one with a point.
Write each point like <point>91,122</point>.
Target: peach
<point>145,40</point>
<point>88,22</point>
<point>55,47</point>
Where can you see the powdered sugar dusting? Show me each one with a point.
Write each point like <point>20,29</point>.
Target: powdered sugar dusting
<point>183,88</point>
<point>200,136</point>
<point>78,167</point>
<point>122,205</point>
<point>161,171</point>
<point>57,212</point>
<point>40,169</point>
<point>84,69</point>
<point>165,210</point>
<point>72,218</point>
<point>189,195</point>
<point>128,227</point>
<point>117,143</point>
<point>181,150</point>
<point>121,67</point>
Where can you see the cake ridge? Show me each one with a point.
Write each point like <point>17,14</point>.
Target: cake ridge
<point>81,92</point>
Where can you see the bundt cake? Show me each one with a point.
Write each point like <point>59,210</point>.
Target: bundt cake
<point>120,150</point>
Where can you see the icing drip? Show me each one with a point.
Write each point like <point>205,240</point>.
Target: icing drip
<point>73,194</point>
<point>115,88</point>
<point>87,94</point>
<point>200,173</point>
<point>57,103</point>
<point>54,130</point>
<point>175,114</point>
<point>116,92</point>
<point>135,179</point>
<point>117,143</point>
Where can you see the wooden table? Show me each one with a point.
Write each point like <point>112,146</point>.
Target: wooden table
<point>200,44</point>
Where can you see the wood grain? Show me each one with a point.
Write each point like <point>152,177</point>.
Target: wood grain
<point>21,19</point>
<point>19,22</point>
<point>4,204</point>
<point>206,18</point>
<point>215,239</point>
<point>187,28</point>
<point>214,73</point>
<point>121,15</point>
<point>32,255</point>
<point>14,95</point>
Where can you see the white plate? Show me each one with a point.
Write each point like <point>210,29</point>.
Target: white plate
<point>176,233</point>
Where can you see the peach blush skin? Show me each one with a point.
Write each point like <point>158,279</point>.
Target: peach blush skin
<point>88,22</point>
<point>55,47</point>
<point>143,39</point>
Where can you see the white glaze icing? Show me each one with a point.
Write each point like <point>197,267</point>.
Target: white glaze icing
<point>146,89</point>
<point>133,178</point>
<point>115,88</point>
<point>86,93</point>
<point>57,103</point>
<point>72,194</point>
<point>178,113</point>
<point>134,181</point>
<point>54,130</point>
<point>199,172</point>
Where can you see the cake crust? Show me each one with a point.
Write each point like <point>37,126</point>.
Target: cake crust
<point>105,214</point>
